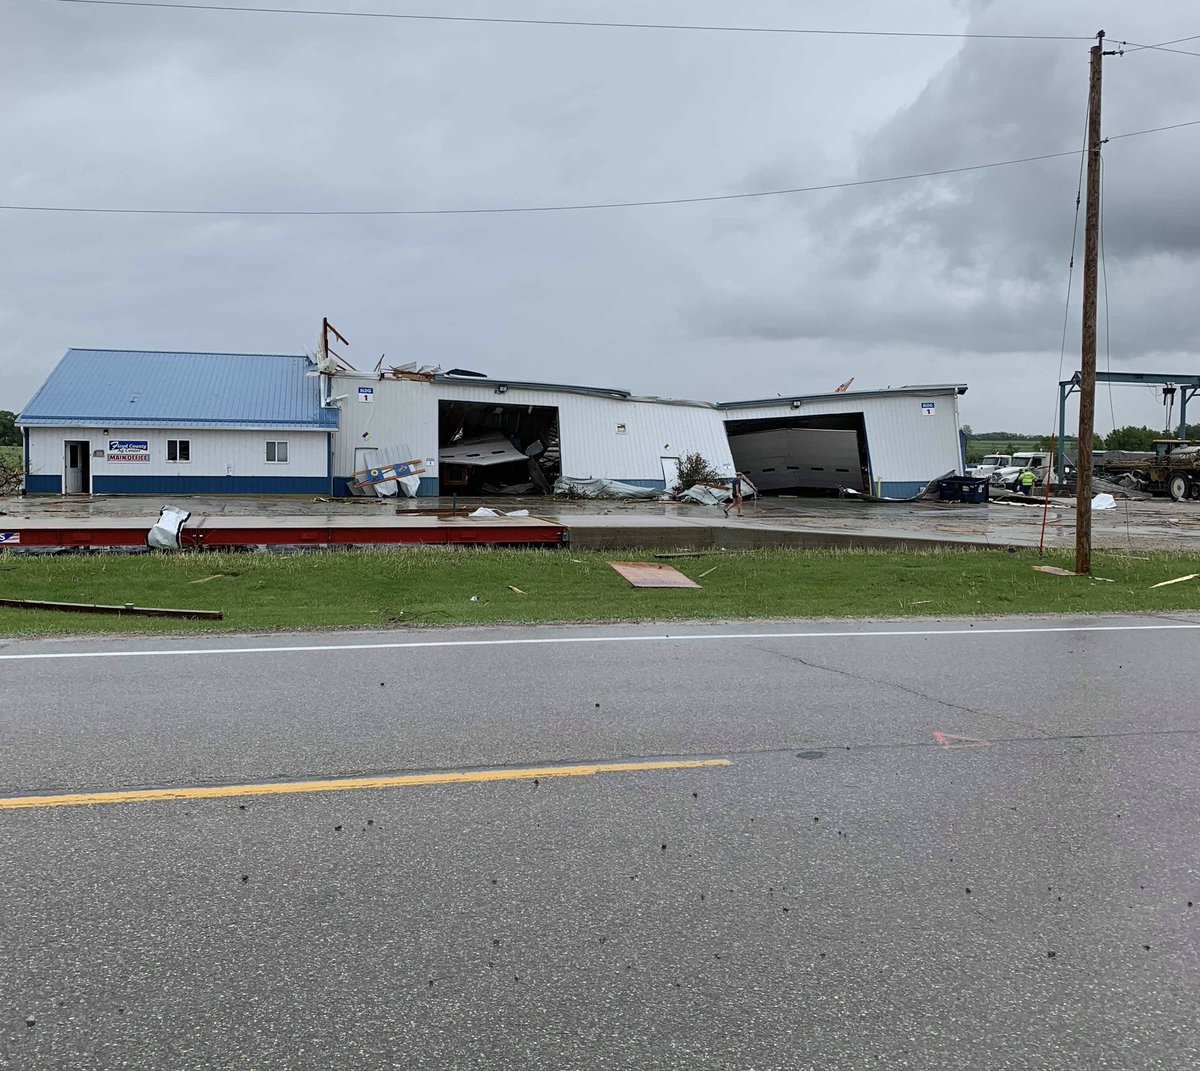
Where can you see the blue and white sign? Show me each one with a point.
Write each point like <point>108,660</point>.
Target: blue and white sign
<point>366,394</point>
<point>10,538</point>
<point>927,408</point>
<point>136,451</point>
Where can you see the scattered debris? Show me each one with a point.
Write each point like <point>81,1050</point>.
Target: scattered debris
<point>206,579</point>
<point>589,488</point>
<point>1053,570</point>
<point>384,480</point>
<point>165,533</point>
<point>96,608</point>
<point>708,494</point>
<point>1177,580</point>
<point>707,571</point>
<point>516,590</point>
<point>653,575</point>
<point>1104,501</point>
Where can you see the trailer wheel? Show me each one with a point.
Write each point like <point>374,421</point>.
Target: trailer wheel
<point>1179,487</point>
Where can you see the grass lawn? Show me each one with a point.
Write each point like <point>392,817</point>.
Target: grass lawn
<point>365,589</point>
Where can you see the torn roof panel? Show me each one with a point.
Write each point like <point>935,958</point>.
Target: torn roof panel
<point>485,450</point>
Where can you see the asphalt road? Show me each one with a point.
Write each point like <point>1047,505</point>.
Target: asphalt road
<point>859,887</point>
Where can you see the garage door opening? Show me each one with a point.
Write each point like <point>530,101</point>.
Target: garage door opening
<point>803,454</point>
<point>498,449</point>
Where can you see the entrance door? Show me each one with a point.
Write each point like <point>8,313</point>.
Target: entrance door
<point>670,467</point>
<point>77,467</point>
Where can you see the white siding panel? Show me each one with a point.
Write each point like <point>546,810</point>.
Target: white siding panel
<point>214,452</point>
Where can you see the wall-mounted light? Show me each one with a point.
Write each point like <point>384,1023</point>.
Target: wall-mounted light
<point>797,403</point>
<point>502,389</point>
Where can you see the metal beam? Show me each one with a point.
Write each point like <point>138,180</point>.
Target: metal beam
<point>1138,377</point>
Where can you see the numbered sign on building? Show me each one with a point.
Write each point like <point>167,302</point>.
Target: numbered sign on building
<point>366,394</point>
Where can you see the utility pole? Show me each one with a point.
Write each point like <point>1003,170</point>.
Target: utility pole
<point>1087,385</point>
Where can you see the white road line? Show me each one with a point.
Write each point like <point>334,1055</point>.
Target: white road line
<point>531,641</point>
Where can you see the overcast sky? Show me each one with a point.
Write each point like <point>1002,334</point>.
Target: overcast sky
<point>954,279</point>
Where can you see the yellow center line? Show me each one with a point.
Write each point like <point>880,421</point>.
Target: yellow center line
<point>344,784</point>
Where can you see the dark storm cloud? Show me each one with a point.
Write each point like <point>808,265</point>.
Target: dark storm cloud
<point>978,262</point>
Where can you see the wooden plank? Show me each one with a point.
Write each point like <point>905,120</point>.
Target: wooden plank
<point>653,575</point>
<point>96,608</point>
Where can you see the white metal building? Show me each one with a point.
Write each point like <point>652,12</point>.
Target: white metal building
<point>595,432</point>
<point>890,442</point>
<point>128,422</point>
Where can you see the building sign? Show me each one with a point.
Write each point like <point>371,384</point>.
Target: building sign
<point>366,394</point>
<point>927,409</point>
<point>129,450</point>
<point>9,538</point>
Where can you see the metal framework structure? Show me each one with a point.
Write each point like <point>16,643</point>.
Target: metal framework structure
<point>1188,387</point>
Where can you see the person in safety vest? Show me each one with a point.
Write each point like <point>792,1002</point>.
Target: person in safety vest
<point>1026,481</point>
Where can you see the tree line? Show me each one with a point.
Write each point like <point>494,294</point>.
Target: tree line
<point>9,433</point>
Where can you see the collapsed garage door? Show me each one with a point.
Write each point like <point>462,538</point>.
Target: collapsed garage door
<point>791,454</point>
<point>497,449</point>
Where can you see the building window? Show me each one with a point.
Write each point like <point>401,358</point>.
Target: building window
<point>179,449</point>
<point>277,451</point>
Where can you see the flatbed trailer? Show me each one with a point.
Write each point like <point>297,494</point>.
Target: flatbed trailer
<point>1172,469</point>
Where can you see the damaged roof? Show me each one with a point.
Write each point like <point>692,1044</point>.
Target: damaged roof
<point>889,392</point>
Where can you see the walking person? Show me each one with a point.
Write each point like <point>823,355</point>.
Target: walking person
<point>735,489</point>
<point>1026,481</point>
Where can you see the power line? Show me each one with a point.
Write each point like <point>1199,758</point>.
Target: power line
<point>1129,46</point>
<point>1152,130</point>
<point>495,20</point>
<point>513,210</point>
<point>532,208</point>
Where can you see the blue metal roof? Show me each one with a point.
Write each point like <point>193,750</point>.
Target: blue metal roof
<point>140,388</point>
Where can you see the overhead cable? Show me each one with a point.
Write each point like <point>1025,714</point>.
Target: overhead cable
<point>589,24</point>
<point>513,210</point>
<point>1130,46</point>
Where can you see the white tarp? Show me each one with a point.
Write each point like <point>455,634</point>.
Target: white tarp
<point>492,449</point>
<point>1104,501</point>
<point>165,533</point>
<point>590,488</point>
